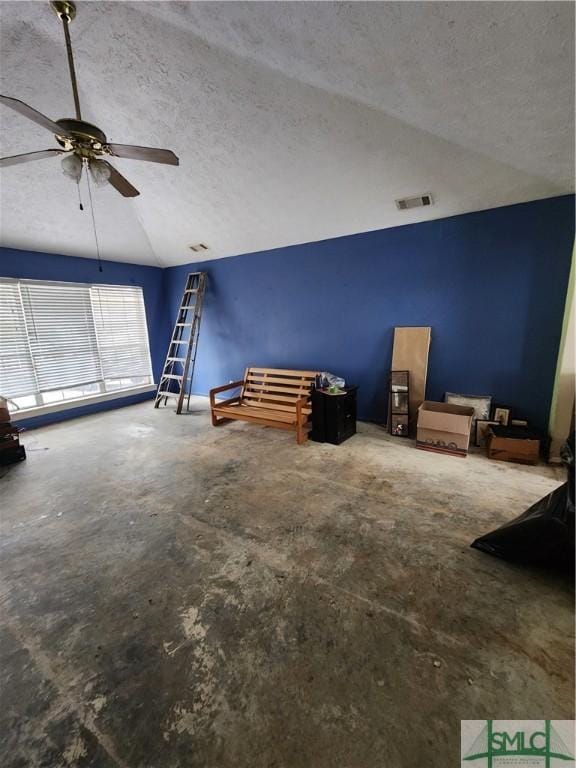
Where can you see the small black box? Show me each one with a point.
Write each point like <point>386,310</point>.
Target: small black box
<point>333,416</point>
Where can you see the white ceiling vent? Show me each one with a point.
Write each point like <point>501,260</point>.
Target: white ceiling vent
<point>198,247</point>
<point>414,202</point>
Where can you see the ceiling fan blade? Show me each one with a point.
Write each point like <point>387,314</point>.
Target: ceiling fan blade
<point>28,157</point>
<point>120,183</point>
<point>32,114</point>
<point>151,154</point>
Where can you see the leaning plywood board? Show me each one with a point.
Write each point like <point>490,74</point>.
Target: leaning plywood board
<point>410,353</point>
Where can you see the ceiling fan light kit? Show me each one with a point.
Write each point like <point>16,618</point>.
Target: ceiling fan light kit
<point>100,172</point>
<point>82,143</point>
<point>72,167</point>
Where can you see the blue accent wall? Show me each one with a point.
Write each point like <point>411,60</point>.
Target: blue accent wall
<point>491,285</point>
<point>32,265</point>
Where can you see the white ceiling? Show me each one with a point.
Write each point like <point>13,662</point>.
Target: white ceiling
<point>293,121</point>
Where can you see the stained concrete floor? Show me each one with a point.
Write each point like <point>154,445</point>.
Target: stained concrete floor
<point>177,595</point>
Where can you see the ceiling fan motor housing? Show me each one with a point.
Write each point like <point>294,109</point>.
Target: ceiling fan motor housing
<point>81,136</point>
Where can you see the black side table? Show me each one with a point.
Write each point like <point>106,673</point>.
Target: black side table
<point>333,416</point>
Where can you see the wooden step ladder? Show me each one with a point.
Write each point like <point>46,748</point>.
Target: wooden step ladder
<point>176,379</point>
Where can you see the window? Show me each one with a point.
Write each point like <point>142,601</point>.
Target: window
<point>64,341</point>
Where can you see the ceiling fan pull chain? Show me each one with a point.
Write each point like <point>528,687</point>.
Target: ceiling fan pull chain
<point>79,196</point>
<point>94,223</point>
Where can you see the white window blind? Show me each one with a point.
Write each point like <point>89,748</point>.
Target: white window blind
<point>16,369</point>
<point>121,329</point>
<point>62,341</point>
<point>61,334</point>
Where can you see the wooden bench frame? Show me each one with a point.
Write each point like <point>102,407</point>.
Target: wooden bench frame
<point>282,397</point>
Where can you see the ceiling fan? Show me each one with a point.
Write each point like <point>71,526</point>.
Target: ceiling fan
<point>81,143</point>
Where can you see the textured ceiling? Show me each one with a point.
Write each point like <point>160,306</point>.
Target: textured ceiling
<point>293,122</point>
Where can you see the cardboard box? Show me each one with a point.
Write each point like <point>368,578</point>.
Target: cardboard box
<point>4,412</point>
<point>444,428</point>
<point>517,444</point>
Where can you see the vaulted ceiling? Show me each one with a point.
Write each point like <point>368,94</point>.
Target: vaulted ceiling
<point>293,121</point>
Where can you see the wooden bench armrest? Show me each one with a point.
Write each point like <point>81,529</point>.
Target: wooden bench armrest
<point>223,388</point>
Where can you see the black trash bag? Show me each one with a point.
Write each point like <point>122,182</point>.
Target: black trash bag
<point>544,534</point>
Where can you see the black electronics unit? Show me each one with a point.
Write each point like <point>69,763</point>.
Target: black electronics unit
<point>333,416</point>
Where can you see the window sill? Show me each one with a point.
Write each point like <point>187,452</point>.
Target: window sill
<point>67,405</point>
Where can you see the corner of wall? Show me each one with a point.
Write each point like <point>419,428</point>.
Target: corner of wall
<point>563,397</point>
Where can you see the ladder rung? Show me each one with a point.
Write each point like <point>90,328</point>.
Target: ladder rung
<point>175,359</point>
<point>183,325</point>
<point>168,394</point>
<point>180,341</point>
<point>191,290</point>
<point>172,376</point>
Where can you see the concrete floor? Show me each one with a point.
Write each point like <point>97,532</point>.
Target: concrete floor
<point>175,595</point>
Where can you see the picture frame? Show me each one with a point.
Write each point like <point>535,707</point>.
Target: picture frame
<point>480,403</point>
<point>482,426</point>
<point>501,414</point>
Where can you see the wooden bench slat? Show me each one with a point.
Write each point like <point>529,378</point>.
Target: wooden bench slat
<point>271,407</point>
<point>271,396</point>
<point>280,382</point>
<point>293,394</point>
<point>274,406</point>
<point>277,385</point>
<point>257,410</point>
<point>267,404</point>
<point>259,420</point>
<point>283,372</point>
<point>232,411</point>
